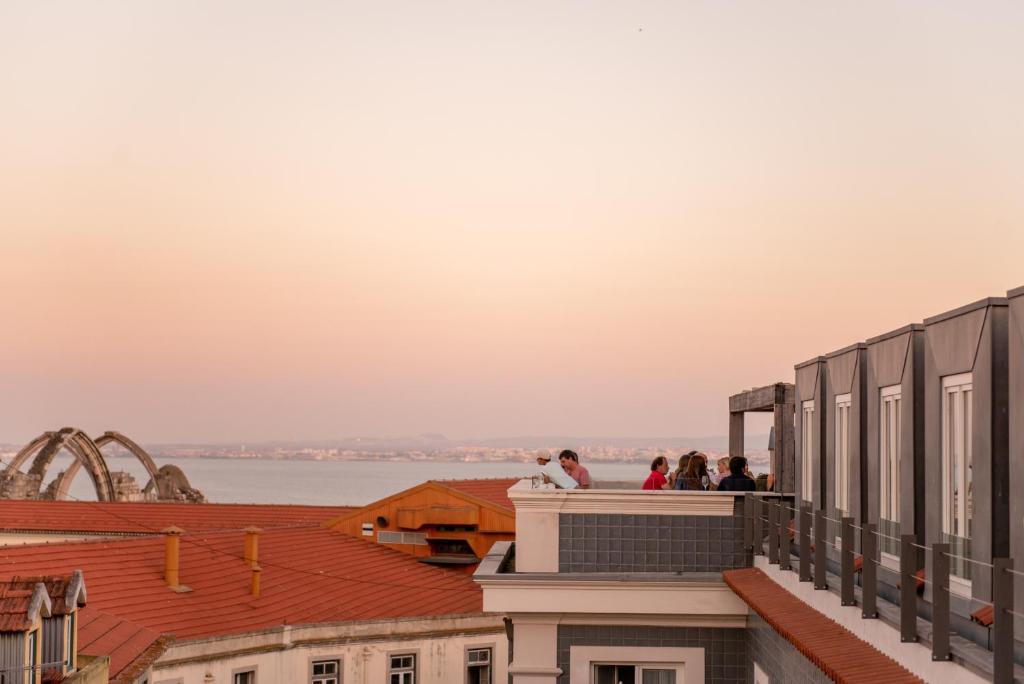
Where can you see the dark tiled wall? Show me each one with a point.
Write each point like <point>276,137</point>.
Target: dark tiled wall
<point>725,650</point>
<point>592,542</point>
<point>777,657</point>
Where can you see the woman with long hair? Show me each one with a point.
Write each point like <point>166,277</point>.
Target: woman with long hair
<point>696,475</point>
<point>677,476</point>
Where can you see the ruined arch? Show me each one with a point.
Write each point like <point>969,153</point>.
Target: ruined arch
<point>136,451</point>
<point>43,449</point>
<point>167,483</point>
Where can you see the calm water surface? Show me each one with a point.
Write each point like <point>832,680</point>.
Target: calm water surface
<point>348,483</point>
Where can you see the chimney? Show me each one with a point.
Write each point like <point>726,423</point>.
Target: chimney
<point>172,555</point>
<point>255,590</point>
<point>252,545</point>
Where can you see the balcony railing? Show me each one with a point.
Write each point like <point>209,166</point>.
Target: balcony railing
<point>768,531</point>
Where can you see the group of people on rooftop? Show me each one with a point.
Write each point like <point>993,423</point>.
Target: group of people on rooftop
<point>692,474</point>
<point>731,474</point>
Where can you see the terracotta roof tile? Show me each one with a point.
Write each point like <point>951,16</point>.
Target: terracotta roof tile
<point>129,645</point>
<point>308,575</point>
<point>59,588</point>
<point>842,656</point>
<point>93,517</point>
<point>14,608</point>
<point>494,490</point>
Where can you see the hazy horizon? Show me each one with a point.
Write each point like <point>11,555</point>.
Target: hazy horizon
<point>268,221</point>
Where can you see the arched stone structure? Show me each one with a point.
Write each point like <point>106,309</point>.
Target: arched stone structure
<point>133,448</point>
<point>43,449</point>
<point>165,484</point>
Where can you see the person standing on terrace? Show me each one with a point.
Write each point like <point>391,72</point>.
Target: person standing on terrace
<point>656,480</point>
<point>570,463</point>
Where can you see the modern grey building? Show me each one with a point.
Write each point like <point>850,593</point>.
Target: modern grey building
<point>1016,418</point>
<point>967,442</point>
<point>844,413</point>
<point>894,440</point>
<point>811,387</point>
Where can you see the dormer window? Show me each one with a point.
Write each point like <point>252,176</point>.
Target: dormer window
<point>957,463</point>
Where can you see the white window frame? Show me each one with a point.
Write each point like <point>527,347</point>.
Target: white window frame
<point>843,405</point>
<point>323,678</point>
<point>957,463</point>
<point>890,440</point>
<point>408,673</point>
<point>688,663</point>
<point>248,669</point>
<point>489,664</point>
<point>807,450</point>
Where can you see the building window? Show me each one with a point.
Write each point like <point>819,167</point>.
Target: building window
<point>842,464</point>
<point>33,660</point>
<point>70,653</point>
<point>957,431</point>
<point>244,677</point>
<point>402,669</point>
<point>889,439</point>
<point>633,674</point>
<point>478,666</point>
<point>325,672</point>
<point>807,451</point>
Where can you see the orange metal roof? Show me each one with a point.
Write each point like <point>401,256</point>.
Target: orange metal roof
<point>842,656</point>
<point>95,517</point>
<point>493,490</point>
<point>309,575</point>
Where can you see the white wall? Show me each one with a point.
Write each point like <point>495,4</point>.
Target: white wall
<point>440,656</point>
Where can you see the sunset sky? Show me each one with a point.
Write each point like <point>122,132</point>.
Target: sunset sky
<point>305,220</point>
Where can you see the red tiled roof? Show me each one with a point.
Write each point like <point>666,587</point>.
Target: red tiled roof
<point>59,588</point>
<point>308,575</point>
<point>131,647</point>
<point>14,608</point>
<point>95,517</point>
<point>494,491</point>
<point>835,650</point>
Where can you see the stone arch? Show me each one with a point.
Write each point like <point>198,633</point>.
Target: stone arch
<point>43,449</point>
<point>136,451</point>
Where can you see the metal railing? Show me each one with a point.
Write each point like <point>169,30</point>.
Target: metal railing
<point>769,522</point>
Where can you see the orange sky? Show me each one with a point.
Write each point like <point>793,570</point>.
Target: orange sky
<point>243,221</point>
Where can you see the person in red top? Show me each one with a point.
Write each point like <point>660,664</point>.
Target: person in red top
<point>570,463</point>
<point>656,480</point>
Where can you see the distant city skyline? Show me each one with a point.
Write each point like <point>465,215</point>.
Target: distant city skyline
<point>227,222</point>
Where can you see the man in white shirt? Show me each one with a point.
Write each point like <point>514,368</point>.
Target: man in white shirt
<point>553,472</point>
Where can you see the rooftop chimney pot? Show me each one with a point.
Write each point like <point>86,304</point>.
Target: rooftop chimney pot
<point>252,545</point>
<point>172,555</point>
<point>255,589</point>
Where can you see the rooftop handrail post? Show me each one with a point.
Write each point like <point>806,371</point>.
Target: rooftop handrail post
<point>846,587</point>
<point>748,521</point>
<point>758,535</point>
<point>784,541</point>
<point>1002,627</point>
<point>940,601</point>
<point>820,532</point>
<point>773,532</point>
<point>908,589</point>
<point>869,571</point>
<point>805,542</point>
